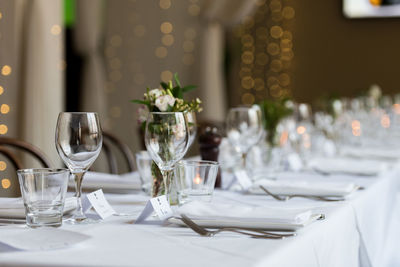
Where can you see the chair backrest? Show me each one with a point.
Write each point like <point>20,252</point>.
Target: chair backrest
<point>109,141</point>
<point>25,147</point>
<point>8,150</point>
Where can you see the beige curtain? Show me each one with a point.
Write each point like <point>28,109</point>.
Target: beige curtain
<point>41,72</point>
<point>88,34</point>
<point>218,15</point>
<point>31,46</point>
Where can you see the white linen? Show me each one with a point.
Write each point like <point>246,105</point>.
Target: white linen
<point>234,215</point>
<point>14,207</point>
<point>197,209</point>
<point>302,187</point>
<point>377,153</point>
<point>110,182</point>
<point>335,241</point>
<point>348,166</point>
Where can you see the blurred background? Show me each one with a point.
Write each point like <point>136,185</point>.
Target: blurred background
<point>97,55</point>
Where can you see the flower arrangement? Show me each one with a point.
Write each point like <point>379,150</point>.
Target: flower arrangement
<point>274,112</point>
<point>167,99</point>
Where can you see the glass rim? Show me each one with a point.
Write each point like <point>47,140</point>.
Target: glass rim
<point>42,170</point>
<point>77,112</point>
<point>198,163</point>
<point>165,112</point>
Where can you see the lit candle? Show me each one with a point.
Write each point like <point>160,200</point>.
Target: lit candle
<point>197,179</point>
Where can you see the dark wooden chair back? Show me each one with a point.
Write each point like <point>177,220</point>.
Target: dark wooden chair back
<point>109,141</point>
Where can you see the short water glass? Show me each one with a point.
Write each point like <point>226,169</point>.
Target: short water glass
<point>43,192</point>
<point>143,165</point>
<point>195,180</point>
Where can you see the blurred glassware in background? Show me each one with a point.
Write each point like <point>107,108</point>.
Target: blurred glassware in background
<point>301,139</point>
<point>143,165</point>
<point>244,128</point>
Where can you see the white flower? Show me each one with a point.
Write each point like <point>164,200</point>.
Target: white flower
<point>155,93</point>
<point>179,131</point>
<point>143,112</point>
<point>164,101</point>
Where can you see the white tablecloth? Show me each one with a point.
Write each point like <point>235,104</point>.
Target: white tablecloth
<point>355,233</point>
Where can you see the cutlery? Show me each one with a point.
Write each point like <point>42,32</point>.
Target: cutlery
<point>205,232</point>
<point>287,197</point>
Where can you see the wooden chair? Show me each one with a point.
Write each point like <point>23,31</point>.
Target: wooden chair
<point>109,141</point>
<point>9,147</point>
<point>7,142</point>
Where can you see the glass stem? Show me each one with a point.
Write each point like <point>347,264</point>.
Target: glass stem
<point>244,160</point>
<point>78,193</point>
<point>167,175</point>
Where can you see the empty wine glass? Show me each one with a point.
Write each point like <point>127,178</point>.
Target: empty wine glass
<point>166,140</point>
<point>78,142</point>
<point>244,129</point>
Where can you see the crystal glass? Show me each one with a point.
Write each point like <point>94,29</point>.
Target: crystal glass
<point>143,165</point>
<point>195,180</point>
<point>78,142</point>
<point>166,139</point>
<point>244,128</point>
<point>43,192</point>
<point>192,126</point>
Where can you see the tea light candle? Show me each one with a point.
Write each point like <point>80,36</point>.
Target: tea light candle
<point>197,179</point>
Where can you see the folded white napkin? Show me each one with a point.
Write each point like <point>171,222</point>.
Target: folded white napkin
<point>348,166</point>
<point>106,181</point>
<point>14,207</point>
<point>302,187</point>
<point>234,212</point>
<point>371,153</point>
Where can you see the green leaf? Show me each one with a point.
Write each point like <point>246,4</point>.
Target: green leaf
<point>164,85</point>
<point>176,78</point>
<point>188,88</point>
<point>143,102</point>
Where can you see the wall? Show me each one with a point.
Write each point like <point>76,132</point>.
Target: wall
<point>336,54</point>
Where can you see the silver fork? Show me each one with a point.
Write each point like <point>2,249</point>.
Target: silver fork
<point>204,232</point>
<point>285,198</point>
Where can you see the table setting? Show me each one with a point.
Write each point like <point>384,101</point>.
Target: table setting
<point>282,182</point>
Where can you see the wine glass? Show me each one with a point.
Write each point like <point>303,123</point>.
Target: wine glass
<point>192,126</point>
<point>78,142</point>
<point>244,129</point>
<point>166,140</point>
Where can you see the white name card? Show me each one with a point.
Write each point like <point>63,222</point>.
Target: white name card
<point>98,201</point>
<point>158,204</point>
<point>243,179</point>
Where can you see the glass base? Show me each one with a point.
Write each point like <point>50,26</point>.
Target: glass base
<point>81,221</point>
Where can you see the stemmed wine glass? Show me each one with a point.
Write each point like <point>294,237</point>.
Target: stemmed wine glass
<point>244,129</point>
<point>190,117</point>
<point>166,139</point>
<point>78,142</point>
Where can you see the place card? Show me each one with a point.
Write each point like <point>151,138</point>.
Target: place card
<point>243,179</point>
<point>158,204</point>
<point>98,201</point>
<point>294,162</point>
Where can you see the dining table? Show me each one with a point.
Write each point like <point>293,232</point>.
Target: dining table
<point>362,230</point>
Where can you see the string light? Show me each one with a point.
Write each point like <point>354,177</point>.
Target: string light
<point>6,70</point>
<point>55,29</point>
<point>166,76</point>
